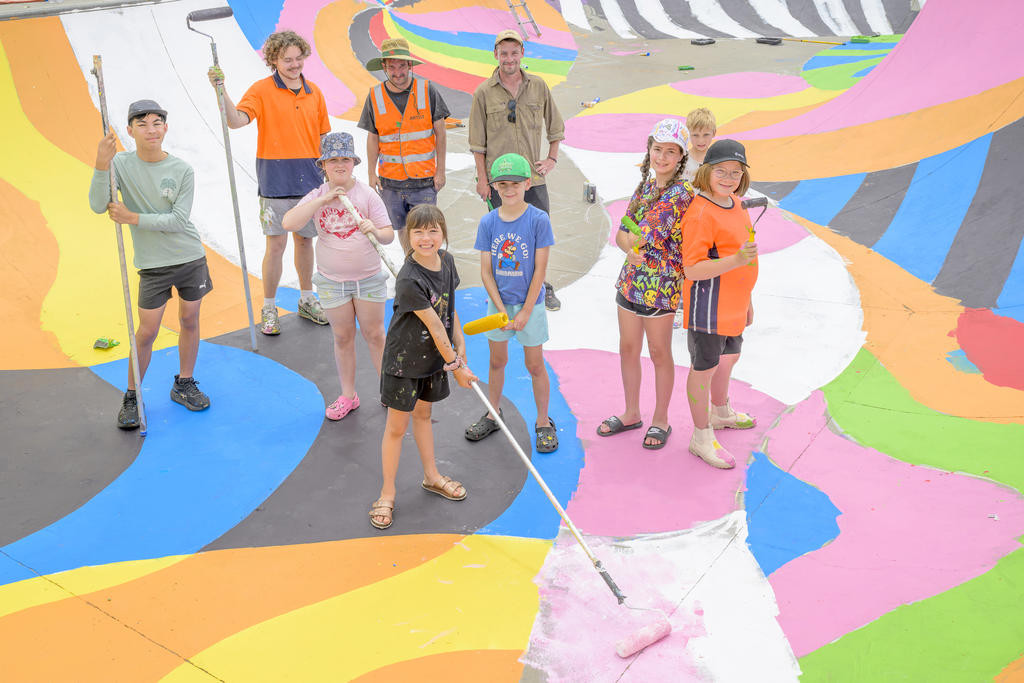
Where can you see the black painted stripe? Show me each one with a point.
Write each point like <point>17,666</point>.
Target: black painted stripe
<point>860,20</point>
<point>637,22</point>
<point>900,15</point>
<point>743,14</point>
<point>806,13</point>
<point>870,210</point>
<point>682,16</point>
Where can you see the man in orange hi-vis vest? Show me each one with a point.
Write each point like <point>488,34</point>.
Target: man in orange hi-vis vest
<point>406,137</point>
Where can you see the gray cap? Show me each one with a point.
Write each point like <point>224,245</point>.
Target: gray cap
<point>143,107</point>
<point>725,150</point>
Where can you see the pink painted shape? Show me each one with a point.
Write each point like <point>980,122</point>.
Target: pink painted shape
<point>610,132</point>
<point>622,53</point>
<point>947,54</point>
<point>576,602</point>
<point>300,16</point>
<point>743,84</point>
<point>484,20</point>
<point>906,532</point>
<point>616,210</point>
<point>677,489</point>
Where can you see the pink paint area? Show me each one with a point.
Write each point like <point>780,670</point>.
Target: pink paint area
<point>623,53</point>
<point>484,20</point>
<point>611,132</point>
<point>616,210</point>
<point>906,532</point>
<point>677,490</point>
<point>928,67</point>
<point>300,16</point>
<point>579,623</point>
<point>743,84</point>
<point>985,338</point>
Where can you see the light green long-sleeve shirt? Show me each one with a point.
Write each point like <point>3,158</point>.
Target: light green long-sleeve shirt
<point>161,193</point>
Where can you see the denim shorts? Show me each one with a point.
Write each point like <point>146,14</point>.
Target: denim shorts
<point>534,333</point>
<point>273,209</point>
<point>333,293</point>
<point>400,202</point>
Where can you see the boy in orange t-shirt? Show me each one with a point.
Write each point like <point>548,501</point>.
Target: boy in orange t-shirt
<point>719,261</point>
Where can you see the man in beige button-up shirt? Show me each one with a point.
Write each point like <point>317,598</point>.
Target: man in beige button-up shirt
<point>511,110</point>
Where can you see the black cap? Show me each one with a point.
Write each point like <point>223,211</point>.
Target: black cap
<point>726,150</point>
<point>143,107</point>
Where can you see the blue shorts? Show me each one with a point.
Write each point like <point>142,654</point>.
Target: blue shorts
<point>534,334</point>
<point>400,202</point>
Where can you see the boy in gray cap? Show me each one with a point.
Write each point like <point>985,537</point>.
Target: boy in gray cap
<point>157,190</point>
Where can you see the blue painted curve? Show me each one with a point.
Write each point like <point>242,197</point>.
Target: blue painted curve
<point>483,41</point>
<point>197,475</point>
<point>530,515</point>
<point>257,18</point>
<point>933,209</point>
<point>820,199</point>
<point>823,61</point>
<point>1011,300</point>
<point>864,46</point>
<point>786,517</point>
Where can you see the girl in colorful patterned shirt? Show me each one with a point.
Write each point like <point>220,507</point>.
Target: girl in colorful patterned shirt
<point>648,285</point>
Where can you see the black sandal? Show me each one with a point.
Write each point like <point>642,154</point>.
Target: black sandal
<point>656,433</point>
<point>547,438</point>
<point>615,426</point>
<point>483,427</point>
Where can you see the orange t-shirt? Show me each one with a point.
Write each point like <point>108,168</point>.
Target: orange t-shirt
<point>717,305</point>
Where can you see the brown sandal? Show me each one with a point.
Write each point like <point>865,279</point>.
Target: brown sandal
<point>382,508</point>
<point>446,488</point>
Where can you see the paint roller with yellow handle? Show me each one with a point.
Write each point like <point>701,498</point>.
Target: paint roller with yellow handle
<point>486,324</point>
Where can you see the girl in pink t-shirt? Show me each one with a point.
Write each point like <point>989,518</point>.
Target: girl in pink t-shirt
<point>349,279</point>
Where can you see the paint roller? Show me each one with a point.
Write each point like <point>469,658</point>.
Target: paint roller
<point>494,321</point>
<point>350,207</point>
<point>635,229</point>
<point>651,632</point>
<point>753,203</point>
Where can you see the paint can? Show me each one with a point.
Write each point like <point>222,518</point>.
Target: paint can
<point>589,192</point>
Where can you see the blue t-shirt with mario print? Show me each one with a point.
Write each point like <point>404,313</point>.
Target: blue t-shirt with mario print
<point>512,245</point>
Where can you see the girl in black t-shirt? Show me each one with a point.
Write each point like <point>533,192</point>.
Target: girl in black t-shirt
<point>423,343</point>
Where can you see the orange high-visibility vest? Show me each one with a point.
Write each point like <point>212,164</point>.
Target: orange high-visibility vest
<point>408,149</point>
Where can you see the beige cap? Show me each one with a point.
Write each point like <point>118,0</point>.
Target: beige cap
<point>508,34</point>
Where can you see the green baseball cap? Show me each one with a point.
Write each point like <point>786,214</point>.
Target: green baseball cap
<point>510,167</point>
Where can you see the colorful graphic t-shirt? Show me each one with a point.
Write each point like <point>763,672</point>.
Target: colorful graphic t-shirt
<point>717,305</point>
<point>409,350</point>
<point>655,282</point>
<point>513,245</point>
<point>343,253</point>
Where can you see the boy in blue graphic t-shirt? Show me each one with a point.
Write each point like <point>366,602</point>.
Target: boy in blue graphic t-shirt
<point>514,240</point>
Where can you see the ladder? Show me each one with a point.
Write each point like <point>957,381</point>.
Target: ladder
<point>513,7</point>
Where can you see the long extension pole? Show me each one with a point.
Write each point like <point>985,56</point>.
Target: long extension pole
<point>205,15</point>
<point>97,70</point>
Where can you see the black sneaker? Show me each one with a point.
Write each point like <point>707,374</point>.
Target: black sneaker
<point>128,417</point>
<point>551,301</point>
<point>186,392</point>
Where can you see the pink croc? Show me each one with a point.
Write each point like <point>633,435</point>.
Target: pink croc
<point>342,407</point>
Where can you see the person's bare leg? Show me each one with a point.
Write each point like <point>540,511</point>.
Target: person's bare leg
<point>343,326</point>
<point>272,264</point>
<point>720,380</point>
<point>631,340</point>
<point>659,345</point>
<point>145,335</point>
<point>496,372</point>
<point>698,391</point>
<point>533,357</point>
<point>188,337</point>
<point>303,261</point>
<point>423,434</point>
<point>390,454</point>
<point>370,315</point>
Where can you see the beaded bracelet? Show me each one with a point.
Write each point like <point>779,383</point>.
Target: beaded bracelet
<point>455,364</point>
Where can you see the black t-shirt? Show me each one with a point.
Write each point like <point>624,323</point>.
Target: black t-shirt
<point>409,350</point>
<point>368,122</point>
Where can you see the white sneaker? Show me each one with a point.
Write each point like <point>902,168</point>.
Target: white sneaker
<point>724,417</point>
<point>705,446</point>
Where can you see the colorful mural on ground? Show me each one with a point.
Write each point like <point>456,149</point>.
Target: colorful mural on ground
<point>873,532</point>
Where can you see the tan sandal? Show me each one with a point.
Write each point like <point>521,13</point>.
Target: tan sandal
<point>446,488</point>
<point>382,508</point>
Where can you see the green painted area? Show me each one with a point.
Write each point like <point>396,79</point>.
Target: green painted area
<point>547,66</point>
<point>967,634</point>
<point>869,404</point>
<point>838,77</point>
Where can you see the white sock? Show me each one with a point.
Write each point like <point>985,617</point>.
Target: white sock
<point>269,303</point>
<point>306,295</point>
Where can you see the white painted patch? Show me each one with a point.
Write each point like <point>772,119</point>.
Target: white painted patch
<point>706,569</point>
<point>711,14</point>
<point>655,14</point>
<point>615,174</point>
<point>572,12</point>
<point>776,13</point>
<point>456,161</point>
<point>611,11</point>
<point>878,20</point>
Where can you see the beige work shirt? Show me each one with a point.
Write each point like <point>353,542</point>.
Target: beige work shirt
<point>491,133</point>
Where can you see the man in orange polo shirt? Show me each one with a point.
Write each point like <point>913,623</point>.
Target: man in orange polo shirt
<point>406,136</point>
<point>291,117</point>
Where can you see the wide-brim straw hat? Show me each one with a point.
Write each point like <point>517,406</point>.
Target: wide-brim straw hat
<point>392,48</point>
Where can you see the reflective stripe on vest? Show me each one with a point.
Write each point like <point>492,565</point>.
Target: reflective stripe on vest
<point>407,149</point>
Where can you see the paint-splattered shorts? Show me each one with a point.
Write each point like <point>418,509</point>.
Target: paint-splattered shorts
<point>401,393</point>
<point>273,209</point>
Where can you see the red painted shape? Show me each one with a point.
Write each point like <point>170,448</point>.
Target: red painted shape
<point>450,78</point>
<point>993,343</point>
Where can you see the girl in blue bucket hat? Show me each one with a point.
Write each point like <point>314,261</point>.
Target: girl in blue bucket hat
<point>348,278</point>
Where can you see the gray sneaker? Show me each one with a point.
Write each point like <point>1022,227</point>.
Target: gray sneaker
<point>186,392</point>
<point>128,417</point>
<point>270,324</point>
<point>312,310</point>
<point>551,301</point>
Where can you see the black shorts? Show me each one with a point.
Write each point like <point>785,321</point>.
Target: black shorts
<point>706,349</point>
<point>192,280</point>
<point>401,393</point>
<point>640,310</point>
<point>536,195</point>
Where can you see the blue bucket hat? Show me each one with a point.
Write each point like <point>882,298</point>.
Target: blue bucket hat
<point>338,145</point>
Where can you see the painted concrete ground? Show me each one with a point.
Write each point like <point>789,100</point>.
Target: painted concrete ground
<point>872,533</point>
